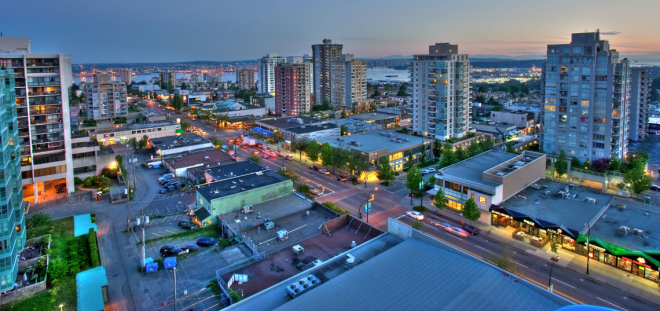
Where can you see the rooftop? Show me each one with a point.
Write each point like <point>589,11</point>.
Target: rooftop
<point>235,169</point>
<point>231,186</point>
<point>375,141</point>
<point>311,128</point>
<point>178,141</point>
<point>607,228</point>
<point>82,223</point>
<point>287,122</point>
<point>137,126</point>
<point>572,213</point>
<point>89,285</point>
<point>373,116</point>
<point>215,156</point>
<point>472,168</point>
<point>407,275</point>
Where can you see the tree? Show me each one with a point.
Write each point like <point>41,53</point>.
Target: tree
<point>313,150</point>
<point>254,158</point>
<point>304,189</point>
<point>384,171</point>
<point>636,176</point>
<point>615,164</point>
<point>480,99</point>
<point>288,173</point>
<point>474,149</point>
<point>414,179</point>
<point>402,90</point>
<point>439,200</point>
<point>561,166</point>
<point>575,162</point>
<point>470,211</point>
<point>510,148</point>
<point>554,246</point>
<point>375,94</point>
<point>422,156</point>
<point>185,124</point>
<point>300,145</point>
<point>486,144</point>
<point>448,156</point>
<point>460,154</point>
<point>134,143</point>
<point>419,226</point>
<point>343,129</point>
<point>437,148</point>
<point>143,142</point>
<point>431,180</point>
<point>327,155</point>
<point>89,122</point>
<point>339,158</point>
<point>177,102</point>
<point>601,164</point>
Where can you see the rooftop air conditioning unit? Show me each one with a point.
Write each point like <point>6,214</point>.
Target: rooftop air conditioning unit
<point>207,158</point>
<point>590,200</point>
<point>232,187</point>
<point>638,232</point>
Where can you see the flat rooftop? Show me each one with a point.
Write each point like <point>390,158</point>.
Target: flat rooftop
<point>572,213</point>
<point>471,169</point>
<point>374,116</point>
<point>235,169</point>
<point>287,122</point>
<point>231,186</point>
<point>274,209</point>
<point>407,275</point>
<point>376,141</point>
<point>607,228</point>
<point>215,156</point>
<point>189,139</point>
<point>138,126</point>
<point>311,128</point>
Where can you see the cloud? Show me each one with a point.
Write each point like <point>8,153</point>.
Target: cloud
<point>610,33</point>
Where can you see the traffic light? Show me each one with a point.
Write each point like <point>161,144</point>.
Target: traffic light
<point>372,197</point>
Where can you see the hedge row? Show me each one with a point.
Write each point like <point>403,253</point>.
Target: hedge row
<point>336,208</point>
<point>93,248</point>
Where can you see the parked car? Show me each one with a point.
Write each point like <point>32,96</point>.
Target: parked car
<point>171,188</point>
<point>415,215</point>
<point>265,156</point>
<point>205,242</point>
<point>186,224</point>
<point>60,190</point>
<point>165,177</point>
<point>654,188</point>
<point>314,191</point>
<point>169,251</point>
<point>471,229</point>
<point>288,157</point>
<point>273,154</point>
<point>341,178</point>
<point>190,248</point>
<point>259,145</point>
<point>427,171</point>
<point>324,172</point>
<point>314,168</point>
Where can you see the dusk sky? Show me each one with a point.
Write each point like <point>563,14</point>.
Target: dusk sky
<point>175,30</point>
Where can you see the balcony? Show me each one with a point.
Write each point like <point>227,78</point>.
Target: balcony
<point>43,93</point>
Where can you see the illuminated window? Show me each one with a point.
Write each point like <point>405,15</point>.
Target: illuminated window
<point>482,200</point>
<point>550,108</point>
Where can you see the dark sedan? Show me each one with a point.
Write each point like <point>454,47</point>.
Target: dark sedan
<point>472,230</point>
<point>169,251</point>
<point>190,248</point>
<point>185,224</point>
<point>205,242</point>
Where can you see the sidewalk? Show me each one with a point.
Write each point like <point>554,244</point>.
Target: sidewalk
<point>600,272</point>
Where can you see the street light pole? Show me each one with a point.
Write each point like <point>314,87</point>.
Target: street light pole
<point>174,269</point>
<point>588,250</point>
<point>554,259</point>
<point>367,208</point>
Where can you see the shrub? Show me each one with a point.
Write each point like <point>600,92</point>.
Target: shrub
<point>38,219</point>
<point>93,248</point>
<point>304,189</point>
<point>77,181</point>
<point>420,208</point>
<point>336,208</point>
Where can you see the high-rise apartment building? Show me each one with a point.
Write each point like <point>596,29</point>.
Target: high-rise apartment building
<point>640,98</point>
<point>106,99</point>
<point>586,99</point>
<point>12,214</point>
<point>292,93</point>
<point>245,79</point>
<point>42,104</point>
<point>441,92</point>
<point>324,55</point>
<point>266,73</point>
<point>353,84</point>
<point>126,75</point>
<point>168,77</point>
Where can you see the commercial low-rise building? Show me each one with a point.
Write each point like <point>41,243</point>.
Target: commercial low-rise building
<point>180,164</point>
<point>123,133</point>
<point>318,132</point>
<point>169,145</point>
<point>489,178</point>
<point>384,119</point>
<point>397,148</point>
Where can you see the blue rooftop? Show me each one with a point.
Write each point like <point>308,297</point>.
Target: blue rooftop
<point>82,223</point>
<point>89,286</point>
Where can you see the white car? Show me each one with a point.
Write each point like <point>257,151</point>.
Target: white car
<point>431,170</point>
<point>415,215</point>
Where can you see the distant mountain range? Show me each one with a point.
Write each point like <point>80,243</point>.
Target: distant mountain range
<point>484,57</point>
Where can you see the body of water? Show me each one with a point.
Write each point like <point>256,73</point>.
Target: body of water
<point>229,76</point>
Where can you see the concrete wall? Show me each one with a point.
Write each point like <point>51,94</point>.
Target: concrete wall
<point>523,177</point>
<point>238,200</point>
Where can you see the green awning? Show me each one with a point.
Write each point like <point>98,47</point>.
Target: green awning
<point>179,131</point>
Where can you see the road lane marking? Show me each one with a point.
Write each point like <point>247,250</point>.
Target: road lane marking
<point>563,283</point>
<point>164,219</point>
<point>611,303</point>
<point>484,249</point>
<point>404,215</point>
<point>521,264</point>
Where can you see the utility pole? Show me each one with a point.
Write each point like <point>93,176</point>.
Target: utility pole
<point>128,208</point>
<point>588,246</point>
<point>554,259</point>
<point>174,269</point>
<point>143,220</point>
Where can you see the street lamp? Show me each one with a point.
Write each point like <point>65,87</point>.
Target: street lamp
<point>61,306</point>
<point>367,205</point>
<point>588,250</point>
<point>554,260</point>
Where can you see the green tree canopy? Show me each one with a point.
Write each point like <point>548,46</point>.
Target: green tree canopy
<point>561,165</point>
<point>636,176</point>
<point>254,158</point>
<point>474,149</point>
<point>510,148</point>
<point>313,150</point>
<point>413,179</point>
<point>448,156</point>
<point>470,210</point>
<point>439,200</point>
<point>384,172</point>
<point>327,155</point>
<point>300,145</point>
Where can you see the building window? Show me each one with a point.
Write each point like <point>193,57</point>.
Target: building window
<point>482,200</point>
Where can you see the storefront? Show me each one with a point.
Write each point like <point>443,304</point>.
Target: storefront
<point>536,232</point>
<point>634,262</point>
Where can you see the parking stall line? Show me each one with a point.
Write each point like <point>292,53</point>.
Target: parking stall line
<point>175,217</point>
<point>156,234</point>
<point>164,219</point>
